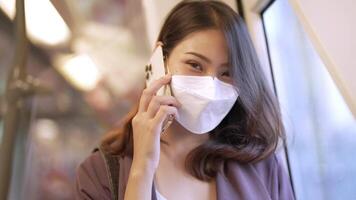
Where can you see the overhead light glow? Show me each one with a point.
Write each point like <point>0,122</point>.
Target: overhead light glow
<point>43,22</point>
<point>46,130</point>
<point>81,71</point>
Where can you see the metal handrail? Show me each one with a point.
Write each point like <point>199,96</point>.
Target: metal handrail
<point>19,86</point>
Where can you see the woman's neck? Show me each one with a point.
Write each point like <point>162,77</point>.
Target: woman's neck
<point>177,142</point>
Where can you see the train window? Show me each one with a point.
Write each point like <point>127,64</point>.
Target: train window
<point>320,126</point>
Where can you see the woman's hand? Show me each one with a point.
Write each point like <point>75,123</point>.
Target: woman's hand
<point>147,125</point>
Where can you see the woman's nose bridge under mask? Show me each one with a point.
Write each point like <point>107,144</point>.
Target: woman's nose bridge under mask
<point>205,101</point>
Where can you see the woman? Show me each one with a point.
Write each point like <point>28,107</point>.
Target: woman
<point>227,124</point>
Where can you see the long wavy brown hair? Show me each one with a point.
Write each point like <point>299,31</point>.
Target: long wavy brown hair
<point>251,130</point>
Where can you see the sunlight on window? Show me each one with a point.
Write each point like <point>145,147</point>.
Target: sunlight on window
<point>319,124</point>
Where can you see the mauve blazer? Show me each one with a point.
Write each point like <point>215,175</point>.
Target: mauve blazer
<point>265,180</point>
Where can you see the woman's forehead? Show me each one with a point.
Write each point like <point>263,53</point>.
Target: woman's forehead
<point>210,43</point>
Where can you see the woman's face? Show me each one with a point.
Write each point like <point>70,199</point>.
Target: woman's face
<point>203,53</point>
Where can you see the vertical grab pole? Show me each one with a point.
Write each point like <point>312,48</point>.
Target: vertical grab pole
<point>15,88</point>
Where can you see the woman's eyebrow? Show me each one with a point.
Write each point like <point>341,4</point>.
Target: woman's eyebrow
<point>203,57</point>
<point>200,56</point>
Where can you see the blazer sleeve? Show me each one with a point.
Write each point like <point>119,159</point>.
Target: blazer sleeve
<point>91,179</point>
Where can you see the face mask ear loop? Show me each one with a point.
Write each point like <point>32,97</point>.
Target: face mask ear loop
<point>166,70</point>
<point>170,84</point>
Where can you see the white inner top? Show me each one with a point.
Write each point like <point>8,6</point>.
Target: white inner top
<point>160,196</point>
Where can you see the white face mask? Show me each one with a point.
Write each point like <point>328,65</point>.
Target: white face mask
<point>205,101</point>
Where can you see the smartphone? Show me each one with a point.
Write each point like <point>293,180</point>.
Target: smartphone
<point>155,69</point>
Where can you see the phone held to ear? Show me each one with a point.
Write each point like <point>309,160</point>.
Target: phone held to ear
<point>155,69</point>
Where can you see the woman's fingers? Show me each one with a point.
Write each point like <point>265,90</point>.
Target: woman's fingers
<point>151,91</point>
<point>163,113</point>
<point>157,101</point>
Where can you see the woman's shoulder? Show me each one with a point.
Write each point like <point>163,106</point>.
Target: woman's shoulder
<point>268,165</point>
<point>264,168</point>
<point>92,180</point>
<point>275,172</point>
<point>270,172</point>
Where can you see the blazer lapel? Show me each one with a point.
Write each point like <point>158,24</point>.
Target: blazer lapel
<point>124,170</point>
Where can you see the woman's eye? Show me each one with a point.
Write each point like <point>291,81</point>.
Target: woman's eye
<point>227,73</point>
<point>195,66</point>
